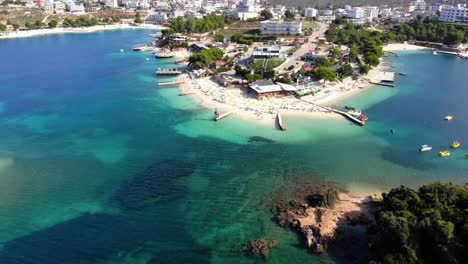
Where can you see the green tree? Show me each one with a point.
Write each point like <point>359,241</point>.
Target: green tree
<point>29,25</point>
<point>364,69</point>
<point>325,73</point>
<point>38,24</point>
<point>346,70</point>
<point>16,26</point>
<point>253,77</point>
<point>266,14</point>
<point>454,37</point>
<point>53,23</point>
<point>353,52</point>
<point>218,37</point>
<point>138,20</point>
<point>323,62</point>
<point>206,57</point>
<point>3,27</point>
<point>289,14</point>
<point>371,59</point>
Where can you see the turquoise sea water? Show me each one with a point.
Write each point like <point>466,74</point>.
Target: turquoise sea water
<point>98,165</point>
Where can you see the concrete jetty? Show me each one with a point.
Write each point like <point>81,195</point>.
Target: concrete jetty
<point>346,115</point>
<point>280,120</point>
<point>170,72</point>
<point>171,83</point>
<point>186,93</point>
<point>219,116</point>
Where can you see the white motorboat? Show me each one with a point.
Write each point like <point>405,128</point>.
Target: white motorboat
<point>434,52</point>
<point>121,50</point>
<point>425,148</point>
<point>356,113</point>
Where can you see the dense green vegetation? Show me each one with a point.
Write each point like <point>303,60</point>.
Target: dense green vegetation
<point>3,27</point>
<point>324,73</point>
<point>266,14</point>
<point>250,39</point>
<point>429,225</point>
<point>80,22</point>
<point>265,69</point>
<point>424,30</point>
<point>192,25</point>
<point>53,23</point>
<point>205,57</point>
<point>218,37</point>
<point>360,39</point>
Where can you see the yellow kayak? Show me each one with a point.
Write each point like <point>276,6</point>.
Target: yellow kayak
<point>455,144</point>
<point>444,153</point>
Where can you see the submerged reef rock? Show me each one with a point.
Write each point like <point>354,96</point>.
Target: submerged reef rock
<point>260,247</point>
<point>260,140</point>
<point>157,183</point>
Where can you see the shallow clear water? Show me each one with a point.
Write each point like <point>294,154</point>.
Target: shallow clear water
<point>98,165</point>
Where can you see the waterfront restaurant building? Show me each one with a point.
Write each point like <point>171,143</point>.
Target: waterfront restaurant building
<point>262,89</point>
<point>281,27</point>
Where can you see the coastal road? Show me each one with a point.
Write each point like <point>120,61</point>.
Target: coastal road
<point>294,59</point>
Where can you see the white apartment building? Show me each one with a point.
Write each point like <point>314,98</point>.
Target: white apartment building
<point>366,13</point>
<point>75,9</point>
<point>371,12</point>
<point>111,3</point>
<point>159,16</point>
<point>281,27</point>
<point>144,5</point>
<point>310,12</point>
<point>435,7</point>
<point>356,13</point>
<point>326,19</point>
<point>420,5</point>
<point>458,14</point>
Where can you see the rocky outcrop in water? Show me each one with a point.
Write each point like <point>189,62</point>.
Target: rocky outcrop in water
<point>157,183</point>
<point>320,214</point>
<point>260,247</point>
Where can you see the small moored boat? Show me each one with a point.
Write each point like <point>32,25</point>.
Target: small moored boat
<point>363,118</point>
<point>434,52</point>
<point>163,55</point>
<point>121,50</point>
<point>356,113</point>
<point>448,118</point>
<point>425,148</point>
<point>444,153</point>
<point>455,144</point>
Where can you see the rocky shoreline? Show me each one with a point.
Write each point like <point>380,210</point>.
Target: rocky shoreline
<point>321,214</point>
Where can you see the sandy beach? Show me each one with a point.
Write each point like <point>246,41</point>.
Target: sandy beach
<point>209,94</point>
<point>403,46</point>
<point>50,31</point>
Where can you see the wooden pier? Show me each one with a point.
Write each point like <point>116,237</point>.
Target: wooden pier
<point>279,120</point>
<point>171,83</point>
<point>384,84</point>
<point>348,116</point>
<point>219,116</point>
<point>390,52</point>
<point>168,72</point>
<point>186,93</point>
